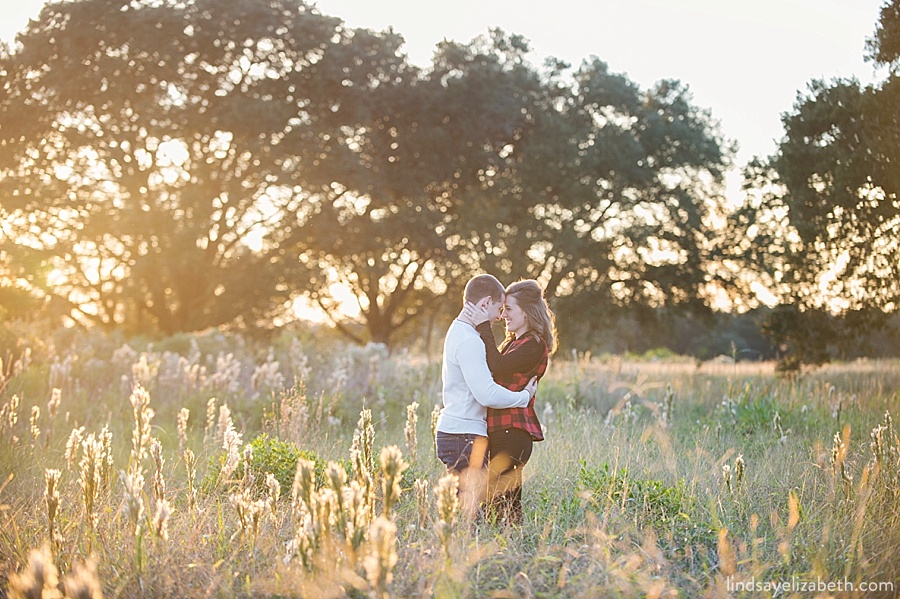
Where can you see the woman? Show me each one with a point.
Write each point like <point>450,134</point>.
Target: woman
<point>530,340</point>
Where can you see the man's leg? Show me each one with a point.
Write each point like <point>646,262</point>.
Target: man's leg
<point>466,455</point>
<point>460,451</point>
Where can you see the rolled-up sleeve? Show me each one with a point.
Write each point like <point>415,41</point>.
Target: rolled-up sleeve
<point>473,363</point>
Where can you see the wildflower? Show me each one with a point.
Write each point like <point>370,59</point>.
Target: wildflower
<point>668,405</point>
<point>447,501</point>
<point>143,414</point>
<point>547,413</point>
<point>392,467</point>
<point>304,485</point>
<point>267,376</point>
<point>776,426</point>
<point>886,453</point>
<point>134,498</point>
<point>247,480</point>
<point>53,404</point>
<point>249,512</point>
<point>412,419</point>
<point>231,443</point>
<point>105,457</point>
<point>224,422</point>
<point>82,582</point>
<point>362,475</point>
<point>420,488</point>
<point>382,558</point>
<point>323,514</point>
<point>335,476</point>
<point>145,370</point>
<point>89,478</point>
<point>13,412</point>
<point>161,520</point>
<point>364,436</point>
<point>39,578</point>
<point>435,414</point>
<point>357,514</point>
<point>210,416</point>
<point>183,416</point>
<point>72,446</point>
<point>33,422</point>
<point>159,481</point>
<point>739,469</point>
<point>190,463</point>
<point>273,492</point>
<point>302,545</point>
<point>227,376</point>
<point>51,495</point>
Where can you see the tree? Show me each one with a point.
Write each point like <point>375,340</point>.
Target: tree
<point>391,225</point>
<point>608,194</point>
<point>142,155</point>
<point>822,217</point>
<point>179,166</point>
<point>884,47</point>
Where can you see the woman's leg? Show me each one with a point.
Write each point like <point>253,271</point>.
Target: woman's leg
<point>510,450</point>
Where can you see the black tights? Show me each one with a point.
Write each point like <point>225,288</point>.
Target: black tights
<point>510,449</point>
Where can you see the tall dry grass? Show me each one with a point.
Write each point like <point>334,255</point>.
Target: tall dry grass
<point>657,479</point>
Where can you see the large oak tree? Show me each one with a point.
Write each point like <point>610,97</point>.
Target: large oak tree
<point>608,195</point>
<point>143,157</point>
<point>821,222</point>
<point>175,166</point>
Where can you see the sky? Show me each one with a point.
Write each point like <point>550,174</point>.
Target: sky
<point>743,61</point>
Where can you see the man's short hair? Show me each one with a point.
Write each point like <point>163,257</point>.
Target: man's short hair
<point>482,286</point>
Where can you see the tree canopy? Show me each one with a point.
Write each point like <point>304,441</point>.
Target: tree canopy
<point>822,219</point>
<point>175,166</point>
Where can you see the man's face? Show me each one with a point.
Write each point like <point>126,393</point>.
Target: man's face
<point>495,308</point>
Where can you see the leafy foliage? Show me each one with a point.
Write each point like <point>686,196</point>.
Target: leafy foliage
<point>650,500</point>
<point>269,455</point>
<point>821,217</point>
<point>145,158</point>
<point>184,166</point>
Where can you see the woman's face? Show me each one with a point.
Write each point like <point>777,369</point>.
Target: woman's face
<point>514,317</point>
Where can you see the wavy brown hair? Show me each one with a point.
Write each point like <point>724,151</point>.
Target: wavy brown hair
<point>540,318</point>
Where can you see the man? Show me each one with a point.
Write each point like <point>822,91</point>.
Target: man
<point>468,387</point>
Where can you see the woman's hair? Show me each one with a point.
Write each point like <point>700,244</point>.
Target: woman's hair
<point>540,318</point>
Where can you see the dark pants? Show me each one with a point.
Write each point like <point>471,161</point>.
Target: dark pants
<point>510,449</point>
<point>456,450</point>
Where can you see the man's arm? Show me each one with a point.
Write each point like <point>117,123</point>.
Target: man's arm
<point>473,363</point>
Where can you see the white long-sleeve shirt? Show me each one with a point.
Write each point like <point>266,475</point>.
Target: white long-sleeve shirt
<point>468,387</point>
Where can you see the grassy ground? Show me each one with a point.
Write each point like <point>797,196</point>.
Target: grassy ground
<point>657,478</point>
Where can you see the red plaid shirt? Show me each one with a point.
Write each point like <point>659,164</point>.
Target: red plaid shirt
<point>523,418</point>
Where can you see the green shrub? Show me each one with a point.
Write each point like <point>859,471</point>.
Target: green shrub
<point>752,412</point>
<point>270,454</point>
<point>648,503</point>
<point>650,499</point>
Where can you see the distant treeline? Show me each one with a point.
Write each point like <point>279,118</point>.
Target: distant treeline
<point>746,336</point>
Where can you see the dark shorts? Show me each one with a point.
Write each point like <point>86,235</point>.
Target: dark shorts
<point>455,450</point>
<point>512,444</point>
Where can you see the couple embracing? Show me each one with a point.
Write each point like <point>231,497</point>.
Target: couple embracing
<point>488,424</point>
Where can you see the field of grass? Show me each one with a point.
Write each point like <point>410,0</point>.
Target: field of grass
<point>209,466</point>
